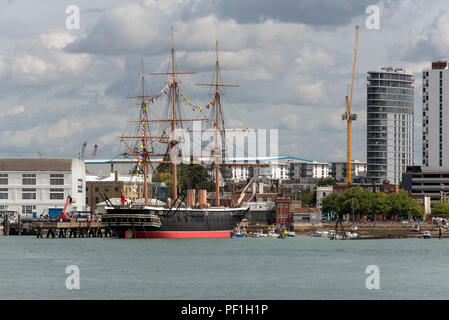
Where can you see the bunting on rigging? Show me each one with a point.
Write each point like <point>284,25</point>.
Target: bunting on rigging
<point>166,91</point>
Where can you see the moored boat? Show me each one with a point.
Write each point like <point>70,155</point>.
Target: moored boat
<point>316,234</point>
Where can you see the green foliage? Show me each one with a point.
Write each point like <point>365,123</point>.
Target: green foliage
<point>381,204</point>
<point>399,203</point>
<point>308,199</point>
<point>440,207</point>
<point>325,182</point>
<point>332,203</point>
<point>363,201</point>
<point>190,176</point>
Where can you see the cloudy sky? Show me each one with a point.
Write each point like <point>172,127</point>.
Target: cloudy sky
<point>291,58</point>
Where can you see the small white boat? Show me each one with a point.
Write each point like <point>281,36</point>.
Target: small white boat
<point>352,235</point>
<point>291,234</point>
<point>324,234</point>
<point>426,235</point>
<point>334,236</point>
<point>260,234</point>
<point>272,233</point>
<point>316,234</point>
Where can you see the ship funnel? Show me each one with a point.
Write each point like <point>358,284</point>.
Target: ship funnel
<point>191,197</point>
<point>202,197</point>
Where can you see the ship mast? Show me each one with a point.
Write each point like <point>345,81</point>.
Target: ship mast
<point>144,142</point>
<point>218,111</point>
<point>173,142</point>
<point>143,156</point>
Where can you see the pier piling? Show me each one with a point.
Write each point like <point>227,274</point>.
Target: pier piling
<point>73,229</point>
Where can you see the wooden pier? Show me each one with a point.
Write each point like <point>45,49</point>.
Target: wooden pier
<point>72,229</point>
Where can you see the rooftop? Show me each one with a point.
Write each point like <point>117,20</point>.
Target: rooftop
<point>35,164</point>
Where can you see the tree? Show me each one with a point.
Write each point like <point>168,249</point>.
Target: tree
<point>416,208</point>
<point>357,200</point>
<point>363,201</point>
<point>308,198</point>
<point>325,182</point>
<point>332,203</point>
<point>440,207</point>
<point>190,176</point>
<point>381,205</point>
<point>402,205</point>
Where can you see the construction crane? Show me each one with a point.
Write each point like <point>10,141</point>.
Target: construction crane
<point>348,115</point>
<point>81,153</point>
<point>242,195</point>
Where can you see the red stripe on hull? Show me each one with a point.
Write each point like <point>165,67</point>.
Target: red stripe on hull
<point>183,234</point>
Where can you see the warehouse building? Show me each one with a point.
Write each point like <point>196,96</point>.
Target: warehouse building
<point>33,185</point>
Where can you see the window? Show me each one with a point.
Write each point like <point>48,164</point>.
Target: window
<point>29,179</point>
<point>116,189</point>
<point>3,193</point>
<point>56,179</point>
<point>56,194</point>
<point>3,178</point>
<point>96,189</point>
<point>3,207</point>
<point>28,194</point>
<point>28,209</point>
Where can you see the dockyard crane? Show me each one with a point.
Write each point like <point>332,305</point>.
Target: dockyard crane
<point>81,153</point>
<point>348,115</point>
<point>94,153</point>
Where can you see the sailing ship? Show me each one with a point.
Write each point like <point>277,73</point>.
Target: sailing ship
<point>176,219</point>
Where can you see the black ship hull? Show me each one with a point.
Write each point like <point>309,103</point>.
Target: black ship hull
<point>181,223</point>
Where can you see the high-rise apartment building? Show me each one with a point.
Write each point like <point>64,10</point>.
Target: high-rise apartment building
<point>389,124</point>
<point>435,138</point>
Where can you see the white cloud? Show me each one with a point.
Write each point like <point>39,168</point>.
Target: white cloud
<point>291,121</point>
<point>313,58</point>
<point>17,110</point>
<point>313,92</point>
<point>28,65</point>
<point>56,40</point>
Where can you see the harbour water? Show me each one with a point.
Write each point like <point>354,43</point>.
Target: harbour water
<point>254,268</point>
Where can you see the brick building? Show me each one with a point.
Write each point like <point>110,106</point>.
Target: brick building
<point>113,186</point>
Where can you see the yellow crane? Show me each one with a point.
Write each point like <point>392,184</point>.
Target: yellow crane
<point>348,116</point>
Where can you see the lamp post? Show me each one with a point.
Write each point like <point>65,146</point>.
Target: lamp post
<point>443,195</point>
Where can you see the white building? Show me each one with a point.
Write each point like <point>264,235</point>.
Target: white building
<point>279,171</point>
<point>338,169</point>
<point>240,173</point>
<point>390,105</point>
<point>321,193</point>
<point>435,143</point>
<point>33,185</point>
<point>311,169</point>
<point>275,170</point>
